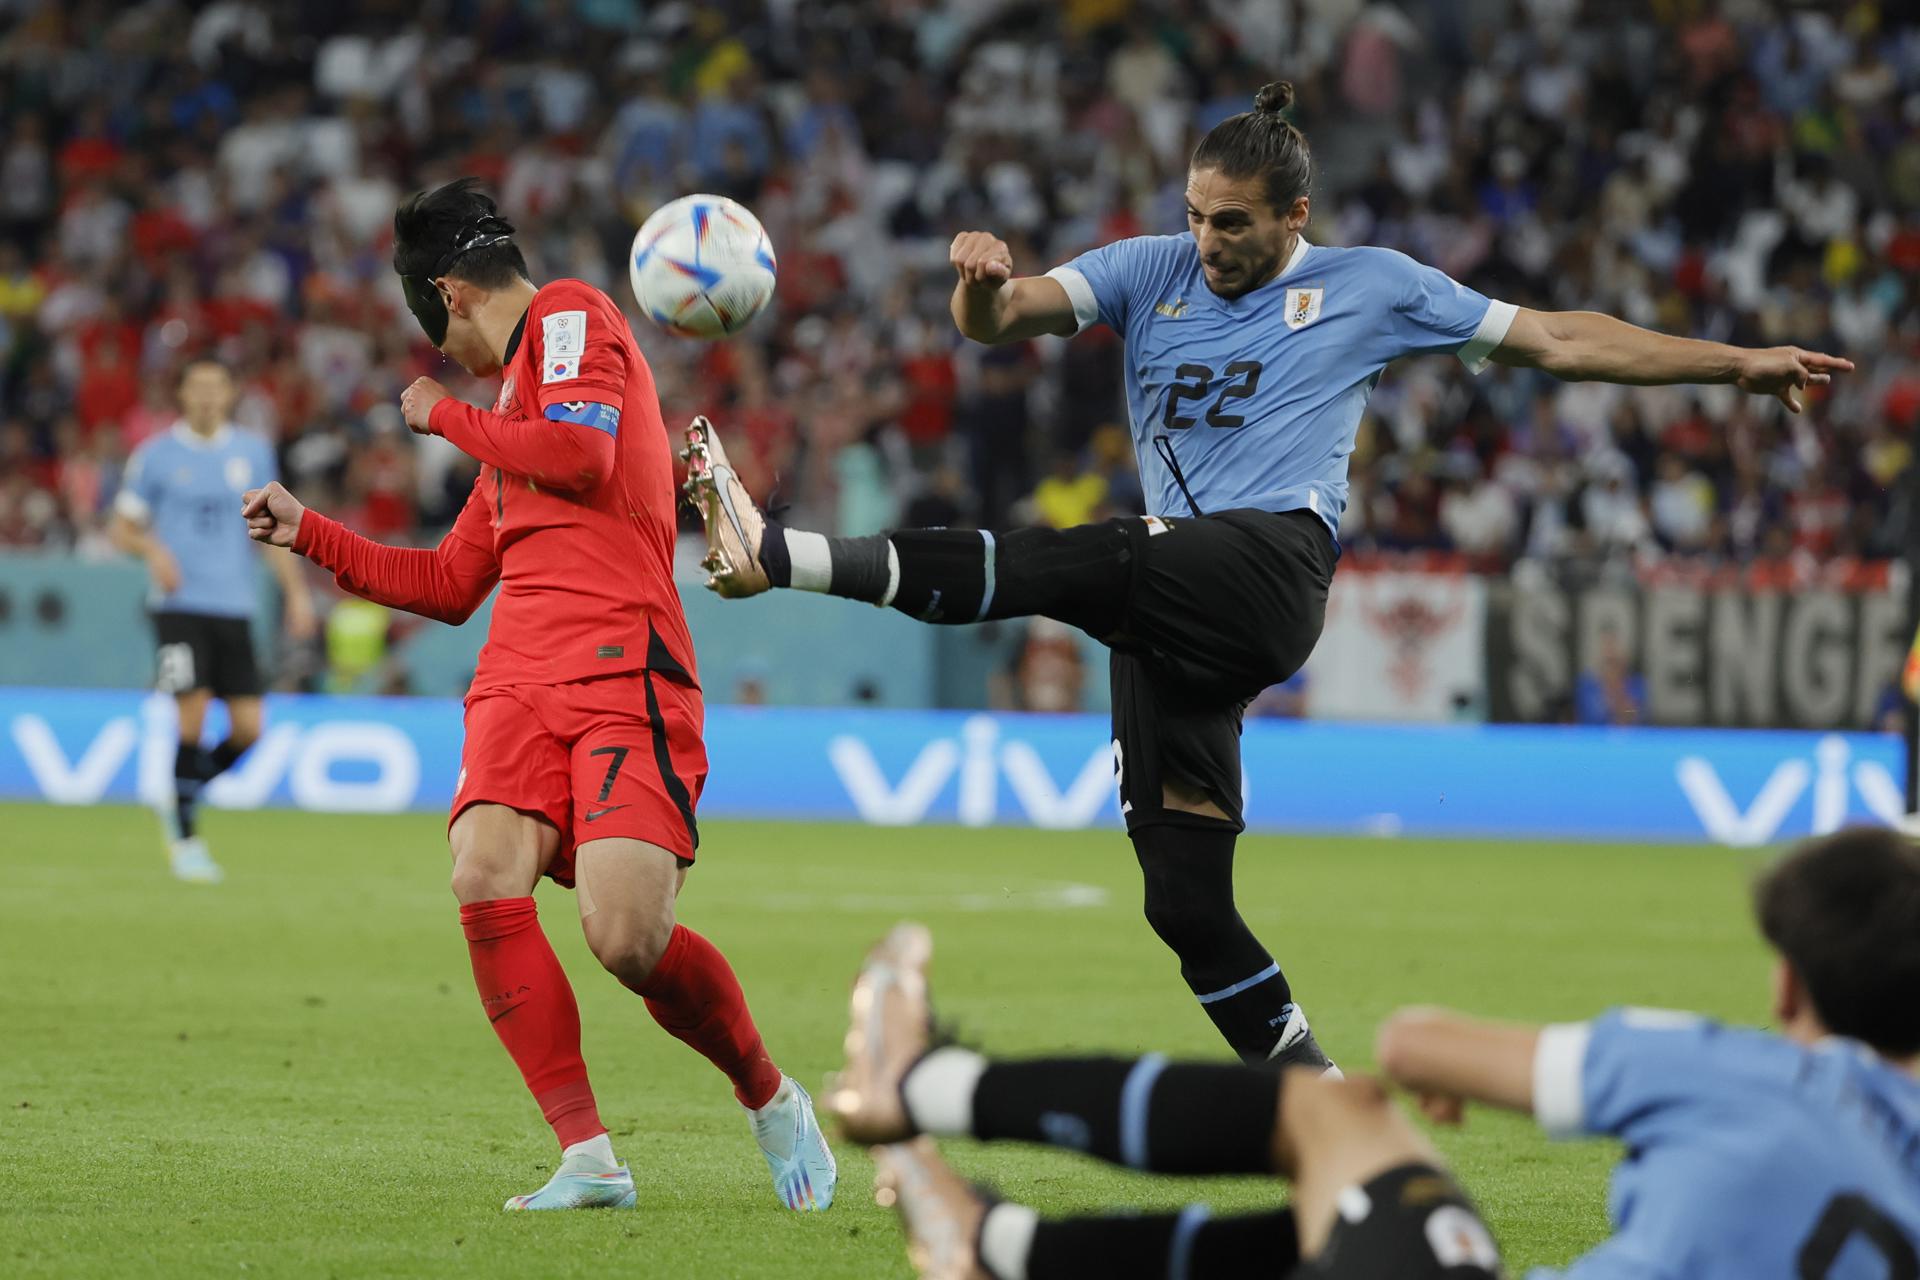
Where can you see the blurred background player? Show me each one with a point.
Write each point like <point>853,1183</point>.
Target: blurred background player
<point>175,511</point>
<point>1755,1155</point>
<point>583,759</point>
<point>1251,355</point>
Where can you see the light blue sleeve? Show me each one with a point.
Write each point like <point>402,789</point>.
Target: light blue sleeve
<point>140,483</point>
<point>1631,1066</point>
<point>269,464</point>
<point>1435,314</point>
<point>1105,283</point>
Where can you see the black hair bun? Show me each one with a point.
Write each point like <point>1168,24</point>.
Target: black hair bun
<point>1274,98</point>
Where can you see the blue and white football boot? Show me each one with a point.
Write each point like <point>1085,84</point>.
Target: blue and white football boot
<point>191,862</point>
<point>588,1178</point>
<point>804,1174</point>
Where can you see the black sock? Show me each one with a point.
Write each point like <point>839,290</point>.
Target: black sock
<point>190,764</point>
<point>773,555</point>
<point>854,568</point>
<point>1081,576</point>
<point>943,573</point>
<point>1188,869</point>
<point>859,567</point>
<point>222,757</point>
<point>1164,1245</point>
<point>1145,1113</point>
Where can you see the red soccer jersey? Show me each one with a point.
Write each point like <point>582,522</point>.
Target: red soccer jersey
<point>574,517</point>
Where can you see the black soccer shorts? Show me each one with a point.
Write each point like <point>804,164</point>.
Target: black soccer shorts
<point>1409,1223</point>
<point>205,651</point>
<point>1222,606</point>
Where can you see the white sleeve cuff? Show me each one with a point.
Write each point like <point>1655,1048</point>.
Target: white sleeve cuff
<point>1086,309</point>
<point>1491,333</point>
<point>1559,1097</point>
<point>131,505</point>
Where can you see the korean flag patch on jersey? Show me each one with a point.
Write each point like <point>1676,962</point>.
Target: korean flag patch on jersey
<point>1303,307</point>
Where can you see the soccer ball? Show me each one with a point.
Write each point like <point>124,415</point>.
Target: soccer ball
<point>702,267</point>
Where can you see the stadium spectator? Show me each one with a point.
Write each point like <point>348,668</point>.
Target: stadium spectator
<point>1610,692</point>
<point>178,182</point>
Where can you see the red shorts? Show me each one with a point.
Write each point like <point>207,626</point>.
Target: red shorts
<point>620,756</point>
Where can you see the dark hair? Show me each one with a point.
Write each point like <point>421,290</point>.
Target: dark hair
<point>429,227</point>
<point>198,362</point>
<point>1261,142</point>
<point>1844,910</point>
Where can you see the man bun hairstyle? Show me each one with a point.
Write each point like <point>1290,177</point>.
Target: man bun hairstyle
<point>1262,143</point>
<point>1844,911</point>
<point>1274,98</point>
<point>456,230</point>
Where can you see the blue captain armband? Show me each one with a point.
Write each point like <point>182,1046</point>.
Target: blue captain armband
<point>586,413</point>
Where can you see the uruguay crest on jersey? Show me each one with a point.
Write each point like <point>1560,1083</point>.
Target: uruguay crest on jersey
<point>1303,307</point>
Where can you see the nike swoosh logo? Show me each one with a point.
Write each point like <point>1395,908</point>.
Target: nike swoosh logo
<point>601,813</point>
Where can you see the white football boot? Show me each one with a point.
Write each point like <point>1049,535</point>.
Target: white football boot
<point>804,1174</point>
<point>588,1178</point>
<point>192,863</point>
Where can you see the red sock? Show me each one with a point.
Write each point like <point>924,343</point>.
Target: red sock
<point>693,994</point>
<point>530,1003</point>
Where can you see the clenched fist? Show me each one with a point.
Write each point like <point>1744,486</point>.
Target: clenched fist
<point>273,514</point>
<point>417,401</point>
<point>981,258</point>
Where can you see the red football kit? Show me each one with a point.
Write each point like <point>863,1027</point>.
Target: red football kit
<point>585,707</point>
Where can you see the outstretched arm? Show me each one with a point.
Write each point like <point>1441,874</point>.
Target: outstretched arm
<point>1446,1058</point>
<point>445,583</point>
<point>1587,346</point>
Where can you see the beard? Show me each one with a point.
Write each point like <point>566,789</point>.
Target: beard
<point>1244,278</point>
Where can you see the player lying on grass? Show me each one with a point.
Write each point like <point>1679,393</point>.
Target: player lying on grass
<point>172,512</point>
<point>583,759</point>
<point>1250,355</point>
<point>1753,1155</point>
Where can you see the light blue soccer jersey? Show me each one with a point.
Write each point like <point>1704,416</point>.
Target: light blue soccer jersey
<point>1748,1157</point>
<point>186,489</point>
<point>1257,398</point>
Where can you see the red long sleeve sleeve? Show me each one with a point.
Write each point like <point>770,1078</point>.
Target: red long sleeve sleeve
<point>446,583</point>
<point>558,455</point>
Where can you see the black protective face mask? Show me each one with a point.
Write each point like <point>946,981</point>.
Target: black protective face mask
<point>428,307</point>
<point>423,296</point>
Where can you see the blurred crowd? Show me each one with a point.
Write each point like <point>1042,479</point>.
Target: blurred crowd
<point>184,178</point>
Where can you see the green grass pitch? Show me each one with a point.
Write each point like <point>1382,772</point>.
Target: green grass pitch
<point>287,1075</point>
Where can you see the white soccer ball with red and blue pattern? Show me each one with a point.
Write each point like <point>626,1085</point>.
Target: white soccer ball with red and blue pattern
<point>702,267</point>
